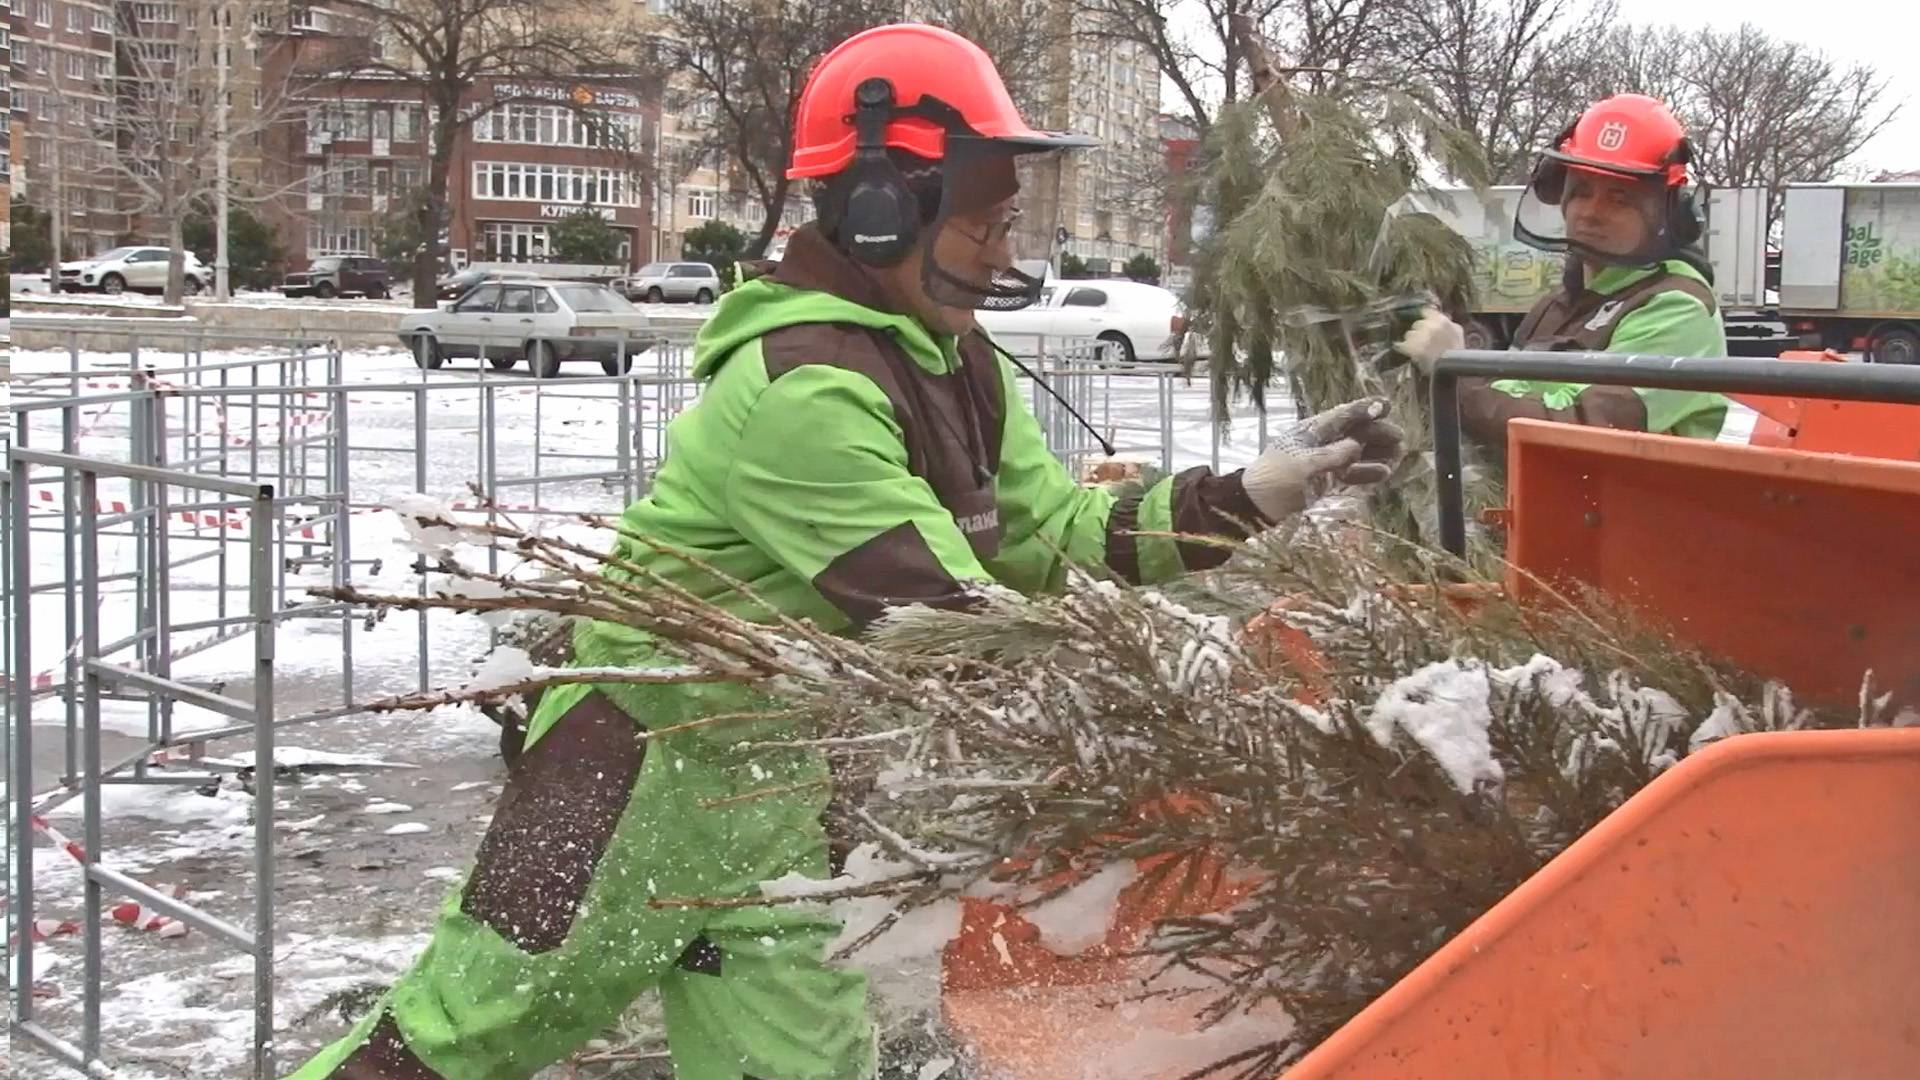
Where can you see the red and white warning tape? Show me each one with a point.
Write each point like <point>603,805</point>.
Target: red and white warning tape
<point>51,928</point>
<point>127,913</point>
<point>237,519</point>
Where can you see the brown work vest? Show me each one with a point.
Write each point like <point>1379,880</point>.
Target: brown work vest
<point>1586,321</point>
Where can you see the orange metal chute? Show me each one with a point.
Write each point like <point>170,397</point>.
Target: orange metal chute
<point>1804,567</point>
<point>1862,428</point>
<point>1754,913</point>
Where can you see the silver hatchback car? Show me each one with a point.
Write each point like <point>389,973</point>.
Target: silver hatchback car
<point>545,323</point>
<point>660,282</point>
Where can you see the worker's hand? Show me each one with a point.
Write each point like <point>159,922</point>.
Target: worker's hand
<point>1348,444</point>
<point>1431,336</point>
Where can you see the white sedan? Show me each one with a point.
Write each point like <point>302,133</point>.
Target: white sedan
<point>545,323</point>
<point>1143,321</point>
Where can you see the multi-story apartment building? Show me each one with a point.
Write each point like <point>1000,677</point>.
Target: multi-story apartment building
<point>61,74</point>
<point>696,181</point>
<point>6,132</point>
<point>352,149</point>
<point>1113,198</point>
<point>326,158</point>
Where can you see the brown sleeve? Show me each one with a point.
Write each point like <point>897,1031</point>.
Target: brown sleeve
<point>1203,504</point>
<point>1484,411</point>
<point>895,568</point>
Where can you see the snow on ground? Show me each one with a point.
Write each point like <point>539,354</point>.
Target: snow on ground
<point>376,816</point>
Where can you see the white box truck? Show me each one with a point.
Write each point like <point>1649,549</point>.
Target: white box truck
<point>1511,276</point>
<point>1850,268</point>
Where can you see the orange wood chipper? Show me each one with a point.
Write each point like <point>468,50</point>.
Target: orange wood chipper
<point>1754,912</point>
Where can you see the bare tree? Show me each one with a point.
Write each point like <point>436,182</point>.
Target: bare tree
<point>1493,69</point>
<point>444,52</point>
<point>1760,111</point>
<point>1018,34</point>
<point>1765,111</point>
<point>168,143</point>
<point>1192,41</point>
<point>749,62</point>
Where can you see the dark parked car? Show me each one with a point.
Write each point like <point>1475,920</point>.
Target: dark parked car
<point>459,283</point>
<point>340,275</point>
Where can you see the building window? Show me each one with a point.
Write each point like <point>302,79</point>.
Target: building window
<point>338,240</point>
<point>404,122</point>
<point>102,68</point>
<point>155,13</point>
<point>76,66</point>
<point>43,12</point>
<point>552,183</point>
<point>702,203</point>
<point>102,22</point>
<point>556,125</point>
<point>76,19</point>
<point>515,241</point>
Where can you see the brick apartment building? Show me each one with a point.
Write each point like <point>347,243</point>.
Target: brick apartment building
<point>348,151</point>
<point>60,146</point>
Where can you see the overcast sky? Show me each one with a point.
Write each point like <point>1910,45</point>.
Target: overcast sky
<point>1885,34</point>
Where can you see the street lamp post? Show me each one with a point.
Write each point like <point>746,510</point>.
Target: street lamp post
<point>221,290</point>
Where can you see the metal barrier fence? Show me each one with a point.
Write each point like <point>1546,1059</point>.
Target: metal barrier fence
<point>233,483</point>
<point>149,674</point>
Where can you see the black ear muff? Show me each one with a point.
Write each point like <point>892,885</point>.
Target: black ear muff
<point>880,219</point>
<point>1683,217</point>
<point>1550,181</point>
<point>1683,208</point>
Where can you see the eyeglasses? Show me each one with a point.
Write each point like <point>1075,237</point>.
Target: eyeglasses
<point>996,232</point>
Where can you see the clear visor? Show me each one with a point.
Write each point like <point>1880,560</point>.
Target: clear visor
<point>1609,217</point>
<point>994,237</point>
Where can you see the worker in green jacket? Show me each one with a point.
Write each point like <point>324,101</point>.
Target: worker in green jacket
<point>858,446</point>
<point>1612,193</point>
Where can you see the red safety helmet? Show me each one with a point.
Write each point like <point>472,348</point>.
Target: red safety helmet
<point>1627,135</point>
<point>920,62</point>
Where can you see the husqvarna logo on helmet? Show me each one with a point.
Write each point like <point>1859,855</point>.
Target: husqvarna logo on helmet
<point>1613,135</point>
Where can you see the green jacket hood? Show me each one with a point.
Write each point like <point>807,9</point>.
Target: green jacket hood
<point>814,283</point>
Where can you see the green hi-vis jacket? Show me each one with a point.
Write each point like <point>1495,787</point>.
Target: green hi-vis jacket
<point>842,459</point>
<point>1668,310</point>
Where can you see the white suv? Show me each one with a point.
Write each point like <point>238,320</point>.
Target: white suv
<point>123,268</point>
<point>659,282</point>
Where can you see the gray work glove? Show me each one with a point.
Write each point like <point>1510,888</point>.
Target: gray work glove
<point>1431,336</point>
<point>1348,444</point>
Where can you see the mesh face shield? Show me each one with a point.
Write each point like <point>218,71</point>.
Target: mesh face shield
<point>997,226</point>
<point>1610,216</point>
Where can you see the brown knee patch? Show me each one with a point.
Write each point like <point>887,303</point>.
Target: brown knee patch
<point>701,956</point>
<point>553,823</point>
<point>384,1056</point>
